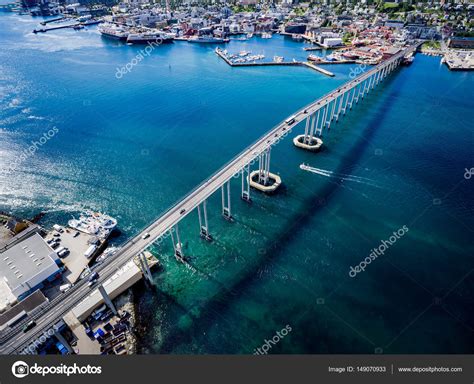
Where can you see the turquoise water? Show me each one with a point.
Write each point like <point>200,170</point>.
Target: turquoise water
<point>133,146</point>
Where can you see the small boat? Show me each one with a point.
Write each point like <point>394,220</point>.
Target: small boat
<point>266,35</point>
<point>314,58</point>
<point>278,59</point>
<point>94,223</point>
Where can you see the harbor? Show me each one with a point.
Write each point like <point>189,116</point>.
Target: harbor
<point>253,63</point>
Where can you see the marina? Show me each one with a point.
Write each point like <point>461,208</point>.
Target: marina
<point>277,62</point>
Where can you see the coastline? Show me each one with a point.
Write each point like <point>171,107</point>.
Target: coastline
<point>125,302</point>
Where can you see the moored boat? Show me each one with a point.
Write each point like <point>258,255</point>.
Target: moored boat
<point>208,40</point>
<point>158,37</point>
<point>113,31</point>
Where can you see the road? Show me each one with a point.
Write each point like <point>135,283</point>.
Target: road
<point>14,340</point>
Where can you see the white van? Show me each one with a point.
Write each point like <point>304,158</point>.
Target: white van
<point>90,251</point>
<point>64,288</point>
<point>290,120</point>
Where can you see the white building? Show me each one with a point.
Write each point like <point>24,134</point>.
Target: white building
<point>24,268</point>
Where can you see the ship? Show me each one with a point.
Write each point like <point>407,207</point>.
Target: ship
<point>151,36</point>
<point>208,40</point>
<point>113,31</point>
<point>94,223</point>
<point>407,60</point>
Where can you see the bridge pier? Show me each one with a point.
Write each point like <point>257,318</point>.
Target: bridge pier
<point>107,299</point>
<point>339,107</point>
<point>145,268</point>
<point>204,227</point>
<point>177,246</point>
<point>226,212</point>
<point>62,340</point>
<point>246,184</point>
<point>309,141</point>
<point>263,180</point>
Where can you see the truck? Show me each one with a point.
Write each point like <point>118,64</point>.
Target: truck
<point>90,251</point>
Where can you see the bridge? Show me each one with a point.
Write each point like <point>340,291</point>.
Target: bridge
<point>318,116</point>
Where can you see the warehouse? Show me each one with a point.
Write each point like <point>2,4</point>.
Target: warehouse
<point>24,268</point>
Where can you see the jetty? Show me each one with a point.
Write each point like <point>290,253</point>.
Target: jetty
<point>294,63</point>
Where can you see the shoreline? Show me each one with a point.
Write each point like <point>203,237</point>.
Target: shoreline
<point>125,302</point>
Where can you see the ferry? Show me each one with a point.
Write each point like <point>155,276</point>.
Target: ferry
<point>113,31</point>
<point>94,223</point>
<point>158,37</point>
<point>208,40</point>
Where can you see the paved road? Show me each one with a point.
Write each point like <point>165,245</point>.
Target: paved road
<point>14,340</point>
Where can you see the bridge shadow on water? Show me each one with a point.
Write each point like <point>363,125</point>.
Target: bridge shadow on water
<point>276,247</point>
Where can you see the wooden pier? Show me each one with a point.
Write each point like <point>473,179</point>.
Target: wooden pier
<point>273,63</point>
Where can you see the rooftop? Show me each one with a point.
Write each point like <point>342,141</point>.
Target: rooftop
<point>27,264</point>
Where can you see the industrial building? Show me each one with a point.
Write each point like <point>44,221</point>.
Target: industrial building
<point>25,267</point>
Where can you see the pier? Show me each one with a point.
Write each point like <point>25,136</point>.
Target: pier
<point>318,116</point>
<point>221,54</point>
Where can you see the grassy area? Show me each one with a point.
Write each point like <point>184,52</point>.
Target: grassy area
<point>431,45</point>
<point>390,5</point>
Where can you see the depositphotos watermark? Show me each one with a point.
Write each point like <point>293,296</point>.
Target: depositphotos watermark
<point>379,251</point>
<point>127,68</point>
<point>32,149</point>
<point>469,173</point>
<point>20,369</point>
<point>354,72</point>
<point>263,350</point>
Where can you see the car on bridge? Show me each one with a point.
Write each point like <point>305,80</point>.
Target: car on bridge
<point>93,279</point>
<point>290,120</point>
<point>29,326</point>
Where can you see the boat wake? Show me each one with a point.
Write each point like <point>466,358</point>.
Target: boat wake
<point>340,176</point>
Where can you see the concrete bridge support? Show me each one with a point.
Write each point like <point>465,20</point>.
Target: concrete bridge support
<point>145,268</point>
<point>107,299</point>
<point>309,141</point>
<point>246,183</point>
<point>63,341</point>
<point>203,224</point>
<point>263,180</point>
<point>177,245</point>
<point>226,212</point>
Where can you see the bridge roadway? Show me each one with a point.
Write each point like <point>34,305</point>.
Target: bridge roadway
<point>14,340</point>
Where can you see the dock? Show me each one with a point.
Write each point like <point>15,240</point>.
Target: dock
<point>273,64</point>
<point>44,30</point>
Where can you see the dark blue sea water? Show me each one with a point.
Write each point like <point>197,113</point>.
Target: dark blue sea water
<point>133,146</point>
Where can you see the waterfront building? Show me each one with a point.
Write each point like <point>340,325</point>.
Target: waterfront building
<point>24,268</point>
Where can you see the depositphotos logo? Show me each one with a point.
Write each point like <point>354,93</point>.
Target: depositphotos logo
<point>20,369</point>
